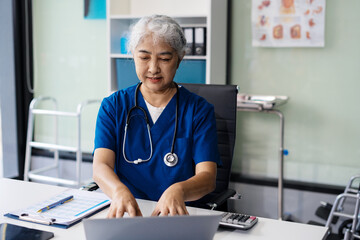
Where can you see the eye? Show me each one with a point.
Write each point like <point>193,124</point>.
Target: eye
<point>165,59</point>
<point>144,57</point>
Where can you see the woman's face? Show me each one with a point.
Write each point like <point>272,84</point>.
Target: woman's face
<point>155,64</point>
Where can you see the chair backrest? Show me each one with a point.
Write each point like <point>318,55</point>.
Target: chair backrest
<point>224,99</point>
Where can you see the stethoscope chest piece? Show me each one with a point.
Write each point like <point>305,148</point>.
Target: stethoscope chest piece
<point>170,159</point>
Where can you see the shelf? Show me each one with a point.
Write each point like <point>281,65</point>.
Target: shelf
<point>195,57</point>
<point>210,14</point>
<point>135,17</point>
<point>124,22</point>
<point>119,55</point>
<point>53,146</point>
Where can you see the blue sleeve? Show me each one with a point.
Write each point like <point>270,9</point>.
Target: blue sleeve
<point>205,145</point>
<point>105,131</point>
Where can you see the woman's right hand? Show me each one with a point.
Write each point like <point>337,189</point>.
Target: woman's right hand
<point>123,201</point>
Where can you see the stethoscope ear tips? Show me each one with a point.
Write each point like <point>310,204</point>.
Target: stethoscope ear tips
<point>170,159</point>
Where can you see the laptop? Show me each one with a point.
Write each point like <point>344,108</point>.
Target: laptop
<point>200,227</point>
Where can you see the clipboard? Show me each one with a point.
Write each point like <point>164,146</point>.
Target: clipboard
<point>66,215</point>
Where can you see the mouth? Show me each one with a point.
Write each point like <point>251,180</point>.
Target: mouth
<point>154,79</point>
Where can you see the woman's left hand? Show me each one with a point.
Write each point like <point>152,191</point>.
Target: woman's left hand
<point>171,202</point>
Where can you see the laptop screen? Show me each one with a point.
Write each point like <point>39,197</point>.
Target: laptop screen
<point>200,227</point>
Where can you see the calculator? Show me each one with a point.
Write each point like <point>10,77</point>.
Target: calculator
<point>238,221</point>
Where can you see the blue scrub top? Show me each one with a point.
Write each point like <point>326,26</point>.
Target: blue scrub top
<point>196,140</point>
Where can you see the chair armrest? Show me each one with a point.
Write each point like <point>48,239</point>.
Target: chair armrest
<point>221,198</point>
<point>90,187</point>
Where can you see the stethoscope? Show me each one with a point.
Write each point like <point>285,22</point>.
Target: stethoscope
<point>170,159</point>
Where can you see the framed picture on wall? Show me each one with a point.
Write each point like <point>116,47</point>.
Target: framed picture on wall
<point>288,23</point>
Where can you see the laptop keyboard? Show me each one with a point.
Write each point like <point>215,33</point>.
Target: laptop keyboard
<point>238,221</point>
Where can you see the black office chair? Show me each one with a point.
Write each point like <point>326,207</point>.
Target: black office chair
<point>224,99</point>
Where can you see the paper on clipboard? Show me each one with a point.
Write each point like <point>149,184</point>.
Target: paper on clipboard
<point>84,204</point>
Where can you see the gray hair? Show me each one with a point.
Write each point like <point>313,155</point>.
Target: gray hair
<point>161,27</point>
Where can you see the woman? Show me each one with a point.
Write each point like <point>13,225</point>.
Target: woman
<point>130,163</point>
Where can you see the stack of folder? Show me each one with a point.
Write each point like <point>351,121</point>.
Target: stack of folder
<point>196,41</point>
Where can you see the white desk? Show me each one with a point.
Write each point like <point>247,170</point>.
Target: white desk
<point>16,194</point>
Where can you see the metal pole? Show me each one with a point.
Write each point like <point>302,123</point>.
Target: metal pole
<point>78,151</point>
<point>281,159</point>
<point>281,166</point>
<point>28,140</point>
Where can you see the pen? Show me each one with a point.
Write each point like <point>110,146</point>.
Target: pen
<point>55,204</point>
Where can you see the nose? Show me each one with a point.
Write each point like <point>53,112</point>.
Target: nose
<point>154,67</point>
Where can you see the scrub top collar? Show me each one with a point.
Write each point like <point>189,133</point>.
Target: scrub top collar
<point>166,117</point>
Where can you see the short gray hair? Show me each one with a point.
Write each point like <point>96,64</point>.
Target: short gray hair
<point>161,27</point>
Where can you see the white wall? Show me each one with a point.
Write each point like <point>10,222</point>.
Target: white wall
<point>69,65</point>
<point>322,131</point>
<point>7,91</point>
<point>1,150</point>
<point>183,7</point>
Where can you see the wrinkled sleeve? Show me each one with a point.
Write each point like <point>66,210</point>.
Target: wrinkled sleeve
<point>205,145</point>
<point>105,130</point>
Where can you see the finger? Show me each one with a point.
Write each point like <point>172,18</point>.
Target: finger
<point>155,213</point>
<point>131,211</point>
<point>111,213</point>
<point>138,212</point>
<point>119,213</point>
<point>173,211</point>
<point>186,211</point>
<point>164,212</point>
<point>181,210</point>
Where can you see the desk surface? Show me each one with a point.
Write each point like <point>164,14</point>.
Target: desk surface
<point>19,194</point>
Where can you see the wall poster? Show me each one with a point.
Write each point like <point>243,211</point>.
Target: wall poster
<point>288,23</point>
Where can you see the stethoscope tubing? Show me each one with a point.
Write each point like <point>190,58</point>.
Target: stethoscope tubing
<point>176,118</point>
<point>139,160</point>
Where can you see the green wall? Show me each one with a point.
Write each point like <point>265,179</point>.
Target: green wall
<point>322,131</point>
<point>69,64</point>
